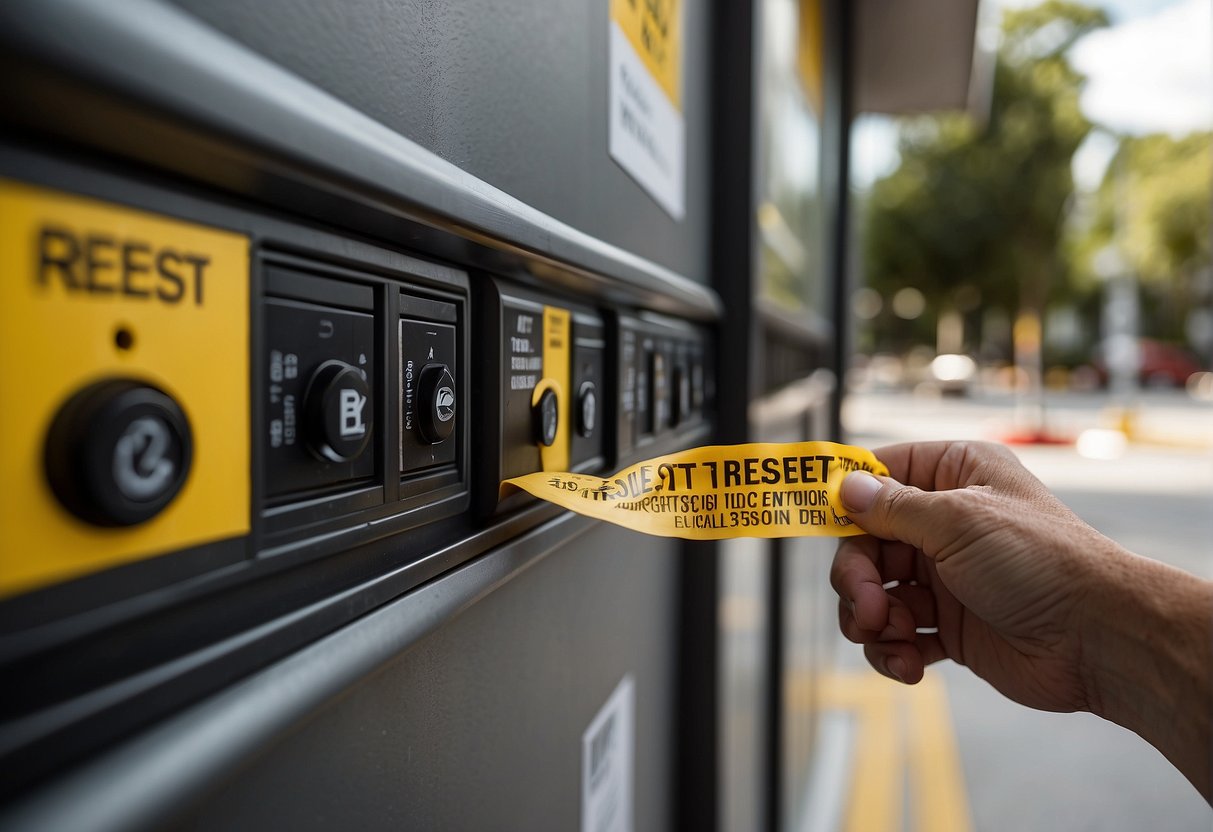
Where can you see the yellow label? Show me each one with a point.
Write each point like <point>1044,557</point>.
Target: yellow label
<point>91,291</point>
<point>809,53</point>
<point>557,347</point>
<point>654,28</point>
<point>719,491</point>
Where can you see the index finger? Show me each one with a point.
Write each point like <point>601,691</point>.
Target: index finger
<point>856,579</point>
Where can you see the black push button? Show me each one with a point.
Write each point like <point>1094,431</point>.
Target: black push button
<point>118,453</point>
<point>338,411</point>
<point>304,450</point>
<point>587,409</point>
<point>428,435</point>
<point>546,416</point>
<point>436,391</point>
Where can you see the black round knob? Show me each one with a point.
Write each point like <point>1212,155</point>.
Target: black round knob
<point>587,409</point>
<point>118,452</point>
<point>546,416</point>
<point>338,411</point>
<point>435,403</point>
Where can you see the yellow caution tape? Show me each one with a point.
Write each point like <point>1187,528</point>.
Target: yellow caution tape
<point>719,491</point>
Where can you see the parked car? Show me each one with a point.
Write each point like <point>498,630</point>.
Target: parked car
<point>953,373</point>
<point>1160,364</point>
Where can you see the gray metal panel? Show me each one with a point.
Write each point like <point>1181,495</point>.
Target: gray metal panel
<point>459,706</point>
<point>243,122</point>
<point>513,93</point>
<point>480,725</point>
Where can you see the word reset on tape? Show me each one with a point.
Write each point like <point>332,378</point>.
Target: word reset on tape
<point>719,491</point>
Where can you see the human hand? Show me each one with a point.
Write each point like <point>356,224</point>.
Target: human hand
<point>1043,607</point>
<point>983,552</point>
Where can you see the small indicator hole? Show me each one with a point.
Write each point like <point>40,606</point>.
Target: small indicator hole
<point>124,339</point>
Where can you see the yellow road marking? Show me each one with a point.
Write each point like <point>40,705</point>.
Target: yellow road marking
<point>877,783</point>
<point>901,731</point>
<point>937,782</point>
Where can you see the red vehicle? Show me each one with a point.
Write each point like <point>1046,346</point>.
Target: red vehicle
<point>1161,364</point>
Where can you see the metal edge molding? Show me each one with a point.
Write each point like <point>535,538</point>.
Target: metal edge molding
<point>149,52</point>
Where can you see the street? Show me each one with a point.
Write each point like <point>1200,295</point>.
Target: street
<point>1027,770</point>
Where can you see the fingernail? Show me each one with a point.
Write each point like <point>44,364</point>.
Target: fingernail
<point>858,491</point>
<point>897,666</point>
<point>851,604</point>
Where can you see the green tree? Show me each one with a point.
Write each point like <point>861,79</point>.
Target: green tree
<point>1154,205</point>
<point>973,214</point>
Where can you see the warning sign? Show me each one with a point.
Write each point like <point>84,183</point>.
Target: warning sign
<point>719,491</point>
<point>96,292</point>
<point>647,131</point>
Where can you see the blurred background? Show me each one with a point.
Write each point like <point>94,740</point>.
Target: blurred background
<point>1035,269</point>
<point>1028,251</point>
<point>1053,242</point>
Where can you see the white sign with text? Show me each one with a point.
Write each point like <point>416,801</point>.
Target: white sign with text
<point>647,132</point>
<point>608,762</point>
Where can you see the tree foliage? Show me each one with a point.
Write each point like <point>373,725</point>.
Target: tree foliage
<point>1154,208</point>
<point>975,209</point>
<point>1154,201</point>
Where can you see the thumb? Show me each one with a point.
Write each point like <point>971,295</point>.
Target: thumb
<point>883,507</point>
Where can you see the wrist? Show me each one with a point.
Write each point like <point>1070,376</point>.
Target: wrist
<point>1147,657</point>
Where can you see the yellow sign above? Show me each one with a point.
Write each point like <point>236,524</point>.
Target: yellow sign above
<point>654,28</point>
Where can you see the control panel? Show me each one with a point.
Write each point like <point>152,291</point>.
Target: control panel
<point>361,385</point>
<point>547,387</point>
<point>581,389</point>
<point>225,384</point>
<point>212,387</point>
<point>664,378</point>
<point>226,433</point>
<point>319,401</point>
<point>124,372</point>
<point>428,389</point>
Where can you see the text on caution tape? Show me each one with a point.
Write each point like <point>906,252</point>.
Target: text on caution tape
<point>719,491</point>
